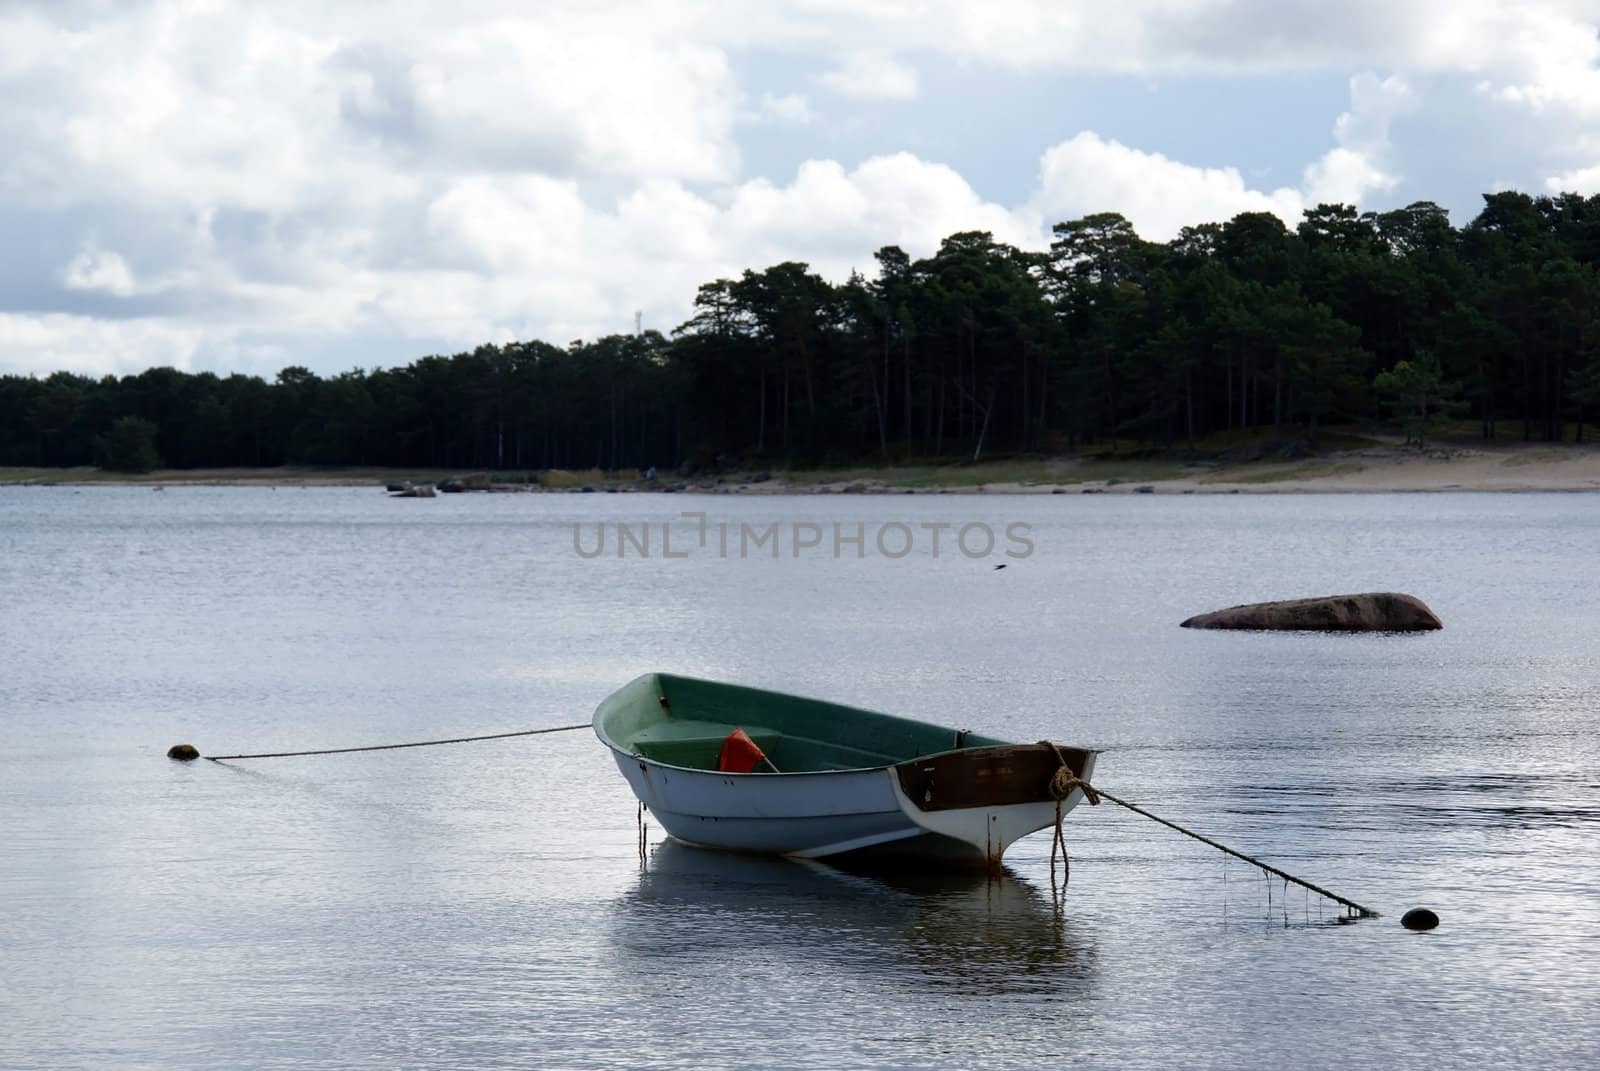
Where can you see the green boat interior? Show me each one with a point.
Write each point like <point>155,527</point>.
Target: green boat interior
<point>682,721</point>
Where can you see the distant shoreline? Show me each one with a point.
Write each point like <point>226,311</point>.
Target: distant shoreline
<point>1381,467</point>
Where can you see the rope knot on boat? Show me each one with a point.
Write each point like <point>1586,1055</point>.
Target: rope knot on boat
<point>1065,781</point>
<point>1062,784</point>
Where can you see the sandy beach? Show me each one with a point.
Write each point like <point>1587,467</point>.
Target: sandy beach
<point>1378,466</point>
<point>1531,467</point>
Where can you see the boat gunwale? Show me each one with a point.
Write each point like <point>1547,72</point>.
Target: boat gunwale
<point>607,740</point>
<point>769,774</point>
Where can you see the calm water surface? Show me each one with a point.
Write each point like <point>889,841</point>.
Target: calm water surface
<point>484,905</point>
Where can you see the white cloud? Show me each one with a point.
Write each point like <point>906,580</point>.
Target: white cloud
<point>102,270</point>
<point>1538,56</point>
<point>789,108</point>
<point>839,217</point>
<point>1548,45</point>
<point>582,93</point>
<point>515,256</point>
<point>511,221</point>
<point>1344,176</point>
<point>1359,164</point>
<point>872,76</point>
<point>539,254</point>
<point>495,170</point>
<point>271,109</point>
<point>1159,196</point>
<point>88,346</point>
<point>1584,180</point>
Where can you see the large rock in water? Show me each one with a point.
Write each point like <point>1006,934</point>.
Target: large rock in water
<point>1381,611</point>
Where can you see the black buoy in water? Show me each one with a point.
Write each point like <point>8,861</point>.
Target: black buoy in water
<point>1419,918</point>
<point>183,752</point>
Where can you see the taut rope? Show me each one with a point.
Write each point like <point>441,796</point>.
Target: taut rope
<point>1064,781</point>
<point>394,747</point>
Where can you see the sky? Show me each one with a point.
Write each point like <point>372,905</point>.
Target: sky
<point>246,186</point>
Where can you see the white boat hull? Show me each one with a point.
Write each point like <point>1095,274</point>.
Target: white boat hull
<point>815,815</point>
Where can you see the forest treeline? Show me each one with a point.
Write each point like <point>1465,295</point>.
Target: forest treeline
<point>979,349</point>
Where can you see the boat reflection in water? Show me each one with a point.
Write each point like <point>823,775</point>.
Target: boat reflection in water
<point>965,931</point>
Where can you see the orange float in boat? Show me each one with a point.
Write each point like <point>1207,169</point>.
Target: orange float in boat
<point>740,754</point>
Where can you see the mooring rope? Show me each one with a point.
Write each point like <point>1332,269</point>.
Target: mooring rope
<point>1064,781</point>
<point>1061,786</point>
<point>394,747</point>
<point>1360,912</point>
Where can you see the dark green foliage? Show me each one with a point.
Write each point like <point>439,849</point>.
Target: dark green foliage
<point>1416,393</point>
<point>981,348</point>
<point>129,446</point>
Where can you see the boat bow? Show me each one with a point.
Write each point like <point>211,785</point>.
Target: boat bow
<point>989,797</point>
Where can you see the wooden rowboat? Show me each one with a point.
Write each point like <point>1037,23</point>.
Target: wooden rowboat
<point>831,779</point>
